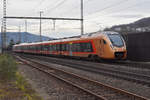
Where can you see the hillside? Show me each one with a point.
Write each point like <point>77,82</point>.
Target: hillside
<point>142,25</point>
<point>24,35</point>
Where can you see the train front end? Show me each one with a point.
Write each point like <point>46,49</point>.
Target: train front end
<point>118,45</point>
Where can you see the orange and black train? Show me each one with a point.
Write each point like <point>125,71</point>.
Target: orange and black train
<point>98,45</point>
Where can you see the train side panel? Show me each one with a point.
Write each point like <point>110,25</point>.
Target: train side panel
<point>98,47</point>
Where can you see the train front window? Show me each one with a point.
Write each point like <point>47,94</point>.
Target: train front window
<point>116,40</point>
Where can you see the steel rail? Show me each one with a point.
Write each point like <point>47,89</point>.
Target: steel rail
<point>138,78</point>
<point>97,97</point>
<point>119,91</point>
<point>140,65</point>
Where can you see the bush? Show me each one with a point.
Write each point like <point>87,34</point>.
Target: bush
<point>8,68</point>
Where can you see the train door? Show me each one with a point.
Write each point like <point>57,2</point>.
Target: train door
<point>70,49</point>
<point>102,46</point>
<point>60,49</point>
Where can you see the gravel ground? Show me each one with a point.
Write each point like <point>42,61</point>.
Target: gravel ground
<point>48,87</point>
<point>122,84</point>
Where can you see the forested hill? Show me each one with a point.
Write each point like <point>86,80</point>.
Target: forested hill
<point>142,25</point>
<point>25,37</point>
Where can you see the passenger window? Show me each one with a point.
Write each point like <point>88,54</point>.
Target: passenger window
<point>104,41</point>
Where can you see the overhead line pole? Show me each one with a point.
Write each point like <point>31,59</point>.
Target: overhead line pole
<point>26,30</point>
<point>19,33</point>
<point>54,24</point>
<point>41,26</point>
<point>82,20</point>
<point>2,38</point>
<point>4,26</point>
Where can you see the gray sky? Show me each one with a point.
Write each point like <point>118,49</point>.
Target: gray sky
<point>97,14</point>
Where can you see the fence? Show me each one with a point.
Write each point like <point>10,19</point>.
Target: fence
<point>138,46</point>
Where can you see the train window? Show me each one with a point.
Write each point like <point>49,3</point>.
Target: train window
<point>116,40</point>
<point>54,47</point>
<point>67,47</point>
<point>86,47</point>
<point>32,48</point>
<point>50,48</point>
<point>57,47</point>
<point>73,47</point>
<point>63,47</point>
<point>60,47</point>
<point>36,47</point>
<point>76,47</point>
<point>104,41</point>
<point>44,48</point>
<point>29,47</point>
<point>47,47</point>
<point>41,47</point>
<point>22,47</point>
<point>89,47</point>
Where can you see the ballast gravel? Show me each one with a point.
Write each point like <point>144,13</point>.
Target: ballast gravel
<point>132,87</point>
<point>48,87</point>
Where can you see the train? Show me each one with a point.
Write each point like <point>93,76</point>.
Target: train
<point>96,45</point>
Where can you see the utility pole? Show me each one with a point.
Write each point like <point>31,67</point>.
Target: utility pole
<point>41,26</point>
<point>19,34</point>
<point>82,20</point>
<point>1,39</point>
<point>54,24</point>
<point>26,31</point>
<point>4,26</point>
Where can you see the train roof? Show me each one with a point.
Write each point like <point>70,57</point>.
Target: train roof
<point>88,36</point>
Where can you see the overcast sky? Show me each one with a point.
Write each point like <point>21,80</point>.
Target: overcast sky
<point>98,14</point>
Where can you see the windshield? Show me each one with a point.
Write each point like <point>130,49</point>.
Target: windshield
<point>116,40</point>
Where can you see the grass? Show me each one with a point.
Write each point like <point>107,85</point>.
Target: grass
<point>8,68</point>
<point>12,84</point>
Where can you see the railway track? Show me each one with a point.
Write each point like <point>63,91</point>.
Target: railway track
<point>130,76</point>
<point>131,64</point>
<point>93,88</point>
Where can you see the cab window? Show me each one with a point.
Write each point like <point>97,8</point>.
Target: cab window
<point>104,41</point>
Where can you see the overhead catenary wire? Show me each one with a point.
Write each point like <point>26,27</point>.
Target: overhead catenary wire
<point>74,8</point>
<point>110,6</point>
<point>53,8</point>
<point>102,9</point>
<point>39,4</point>
<point>56,6</point>
<point>120,10</point>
